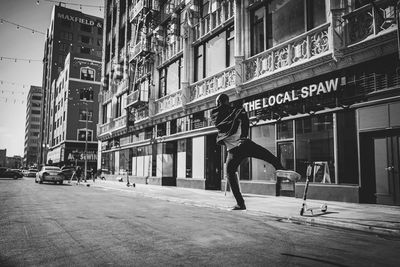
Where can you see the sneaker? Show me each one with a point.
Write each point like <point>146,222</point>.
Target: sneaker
<point>238,207</point>
<point>288,174</point>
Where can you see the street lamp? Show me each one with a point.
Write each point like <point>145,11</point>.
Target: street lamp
<point>86,135</point>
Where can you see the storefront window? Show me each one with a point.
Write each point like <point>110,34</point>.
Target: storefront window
<point>285,130</point>
<point>347,147</point>
<point>286,154</point>
<point>264,136</point>
<point>107,162</point>
<point>315,145</point>
<point>166,159</point>
<point>184,158</point>
<point>125,162</point>
<point>141,161</point>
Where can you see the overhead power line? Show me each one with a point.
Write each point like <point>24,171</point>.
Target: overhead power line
<point>2,21</point>
<point>19,59</point>
<point>71,4</point>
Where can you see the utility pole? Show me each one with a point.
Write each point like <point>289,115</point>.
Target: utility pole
<point>86,136</point>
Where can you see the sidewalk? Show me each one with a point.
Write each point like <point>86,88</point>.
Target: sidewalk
<point>373,218</point>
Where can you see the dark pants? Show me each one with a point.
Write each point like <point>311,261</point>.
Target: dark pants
<point>247,149</point>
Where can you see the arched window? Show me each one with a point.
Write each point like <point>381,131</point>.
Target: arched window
<point>87,74</point>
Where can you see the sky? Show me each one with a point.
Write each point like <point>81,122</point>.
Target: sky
<point>16,77</point>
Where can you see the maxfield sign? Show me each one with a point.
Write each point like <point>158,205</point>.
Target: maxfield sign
<point>80,20</point>
<point>304,92</point>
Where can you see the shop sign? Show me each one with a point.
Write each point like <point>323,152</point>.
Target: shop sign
<point>80,20</point>
<point>304,92</point>
<point>91,155</point>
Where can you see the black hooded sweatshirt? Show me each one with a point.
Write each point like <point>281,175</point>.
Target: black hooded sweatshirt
<point>227,119</point>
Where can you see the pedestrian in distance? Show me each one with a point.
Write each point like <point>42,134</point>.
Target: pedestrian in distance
<point>232,124</point>
<point>78,173</point>
<point>93,173</point>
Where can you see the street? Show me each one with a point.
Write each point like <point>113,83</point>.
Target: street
<point>69,225</point>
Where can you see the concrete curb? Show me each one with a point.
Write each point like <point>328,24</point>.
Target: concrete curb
<point>334,223</point>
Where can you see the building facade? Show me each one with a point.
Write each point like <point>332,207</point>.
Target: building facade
<point>72,32</point>
<point>3,157</point>
<point>32,126</point>
<point>74,113</point>
<point>14,162</point>
<point>319,80</point>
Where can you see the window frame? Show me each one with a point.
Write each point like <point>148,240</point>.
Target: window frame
<point>87,68</point>
<point>84,130</point>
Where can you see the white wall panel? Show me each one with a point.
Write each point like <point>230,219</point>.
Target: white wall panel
<point>181,165</point>
<point>198,157</point>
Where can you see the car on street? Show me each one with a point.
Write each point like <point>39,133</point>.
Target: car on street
<point>9,173</point>
<point>30,173</point>
<point>49,174</point>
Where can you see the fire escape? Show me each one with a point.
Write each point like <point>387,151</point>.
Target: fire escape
<point>144,15</point>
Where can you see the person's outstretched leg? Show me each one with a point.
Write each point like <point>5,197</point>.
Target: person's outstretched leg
<point>254,150</point>
<point>232,163</point>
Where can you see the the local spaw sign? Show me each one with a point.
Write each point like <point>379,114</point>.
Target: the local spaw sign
<point>312,90</point>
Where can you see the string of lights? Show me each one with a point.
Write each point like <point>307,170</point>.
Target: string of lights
<point>29,60</point>
<point>70,4</point>
<point>3,91</point>
<point>2,21</point>
<point>4,82</point>
<point>8,100</point>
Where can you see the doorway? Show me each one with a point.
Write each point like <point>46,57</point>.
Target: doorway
<point>213,163</point>
<point>379,155</point>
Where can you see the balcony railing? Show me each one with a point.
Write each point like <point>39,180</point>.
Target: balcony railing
<point>137,49</point>
<point>122,86</point>
<point>302,48</point>
<point>169,102</point>
<point>141,114</point>
<point>214,20</point>
<point>104,128</point>
<point>107,95</point>
<point>112,125</point>
<point>369,21</point>
<point>211,85</point>
<point>137,97</point>
<point>171,50</point>
<point>119,122</point>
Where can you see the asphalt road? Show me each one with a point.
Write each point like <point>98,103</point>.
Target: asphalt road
<point>69,225</point>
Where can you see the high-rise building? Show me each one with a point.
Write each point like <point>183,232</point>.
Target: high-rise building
<point>74,32</point>
<point>74,113</point>
<point>32,126</point>
<point>319,78</point>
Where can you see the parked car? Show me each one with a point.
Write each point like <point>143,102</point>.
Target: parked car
<point>9,173</point>
<point>30,173</point>
<point>49,174</point>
